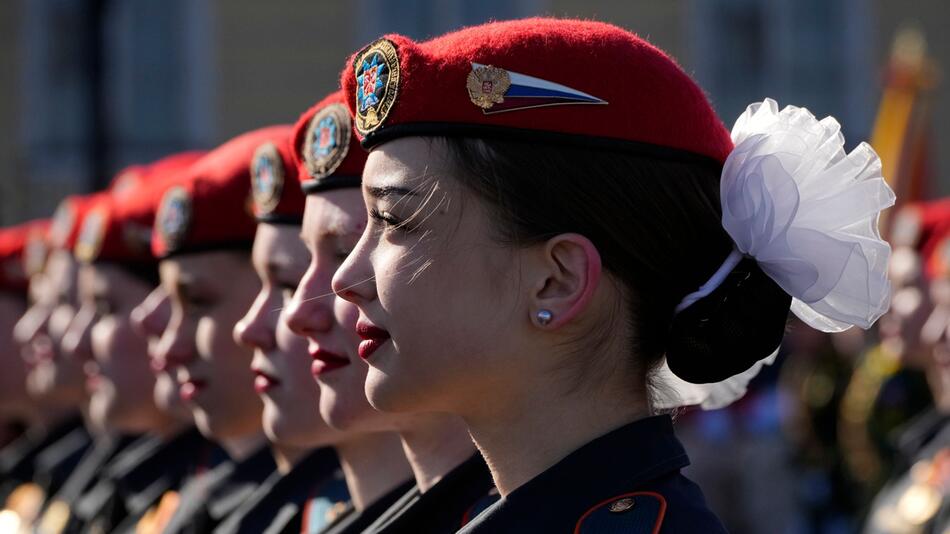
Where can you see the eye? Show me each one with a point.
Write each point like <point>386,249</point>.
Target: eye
<point>384,216</point>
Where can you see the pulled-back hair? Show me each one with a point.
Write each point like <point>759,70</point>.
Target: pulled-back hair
<point>657,225</point>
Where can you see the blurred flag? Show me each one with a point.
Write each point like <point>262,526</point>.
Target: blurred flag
<point>901,133</point>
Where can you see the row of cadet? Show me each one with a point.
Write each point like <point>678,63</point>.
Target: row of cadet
<point>468,290</point>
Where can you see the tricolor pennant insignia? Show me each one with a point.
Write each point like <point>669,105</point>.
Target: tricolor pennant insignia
<point>496,90</point>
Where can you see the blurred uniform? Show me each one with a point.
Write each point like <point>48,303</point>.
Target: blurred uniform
<point>915,497</point>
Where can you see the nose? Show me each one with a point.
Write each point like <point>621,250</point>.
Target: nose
<point>310,310</point>
<point>258,326</point>
<point>177,346</point>
<point>151,316</point>
<point>355,279</point>
<point>75,343</point>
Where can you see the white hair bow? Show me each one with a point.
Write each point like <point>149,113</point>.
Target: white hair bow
<point>808,212</point>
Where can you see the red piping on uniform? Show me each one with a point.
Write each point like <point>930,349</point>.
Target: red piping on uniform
<point>659,518</point>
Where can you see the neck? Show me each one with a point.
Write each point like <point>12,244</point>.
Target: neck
<point>938,378</point>
<point>287,456</point>
<point>523,437</point>
<point>374,465</point>
<point>240,448</point>
<point>435,444</point>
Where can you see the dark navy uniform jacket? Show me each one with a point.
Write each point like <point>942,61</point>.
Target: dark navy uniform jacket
<point>627,481</point>
<point>276,506</point>
<point>352,521</point>
<point>136,479</point>
<point>17,459</point>
<point>55,463</point>
<point>207,498</point>
<point>913,500</point>
<point>445,508</point>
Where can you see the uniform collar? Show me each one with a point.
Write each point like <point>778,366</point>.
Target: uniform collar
<point>628,456</point>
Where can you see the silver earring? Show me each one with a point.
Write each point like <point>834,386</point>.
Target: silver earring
<point>544,317</point>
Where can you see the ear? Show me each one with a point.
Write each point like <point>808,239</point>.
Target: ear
<point>568,275</point>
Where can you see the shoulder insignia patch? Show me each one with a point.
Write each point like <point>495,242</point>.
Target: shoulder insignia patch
<point>377,82</point>
<point>174,217</point>
<point>327,140</point>
<point>89,242</point>
<point>640,512</point>
<point>267,178</point>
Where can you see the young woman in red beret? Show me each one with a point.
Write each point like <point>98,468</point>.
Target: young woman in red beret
<point>202,237</point>
<point>562,233</point>
<point>308,491</point>
<point>449,475</point>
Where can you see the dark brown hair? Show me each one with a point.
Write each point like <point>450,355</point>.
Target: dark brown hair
<point>657,225</point>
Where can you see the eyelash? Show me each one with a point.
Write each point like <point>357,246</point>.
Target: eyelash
<point>388,219</point>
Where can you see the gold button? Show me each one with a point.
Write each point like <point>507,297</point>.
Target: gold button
<point>622,505</point>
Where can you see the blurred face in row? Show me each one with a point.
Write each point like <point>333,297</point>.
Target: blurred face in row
<point>901,327</point>
<point>15,402</point>
<point>333,222</point>
<point>281,363</point>
<point>52,378</point>
<point>209,293</point>
<point>150,318</point>
<point>101,337</point>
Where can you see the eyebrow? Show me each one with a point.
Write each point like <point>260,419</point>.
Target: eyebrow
<point>388,191</point>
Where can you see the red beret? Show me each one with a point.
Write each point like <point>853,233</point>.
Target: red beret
<point>118,227</point>
<point>925,226</point>
<point>277,199</point>
<point>13,244</point>
<point>325,151</point>
<point>561,81</point>
<point>211,207</point>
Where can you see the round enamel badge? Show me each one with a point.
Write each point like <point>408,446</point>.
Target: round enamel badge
<point>174,217</point>
<point>377,82</point>
<point>327,140</point>
<point>267,178</point>
<point>89,242</point>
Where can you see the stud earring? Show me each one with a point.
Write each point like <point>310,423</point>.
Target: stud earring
<point>544,317</point>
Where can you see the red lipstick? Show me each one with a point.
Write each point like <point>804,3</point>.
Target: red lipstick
<point>264,382</point>
<point>325,361</point>
<point>373,337</point>
<point>190,389</point>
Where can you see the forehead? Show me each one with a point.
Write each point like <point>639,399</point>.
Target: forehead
<point>407,161</point>
<point>61,270</point>
<point>278,243</point>
<point>338,212</point>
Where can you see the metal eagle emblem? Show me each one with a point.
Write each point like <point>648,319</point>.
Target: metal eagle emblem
<point>487,86</point>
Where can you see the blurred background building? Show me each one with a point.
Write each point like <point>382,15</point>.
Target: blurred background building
<point>91,85</point>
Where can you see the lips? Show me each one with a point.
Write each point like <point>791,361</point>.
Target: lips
<point>373,337</point>
<point>325,361</point>
<point>190,389</point>
<point>93,378</point>
<point>264,382</point>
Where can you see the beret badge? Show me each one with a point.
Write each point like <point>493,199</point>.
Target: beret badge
<point>174,217</point>
<point>327,141</point>
<point>377,82</point>
<point>487,85</point>
<point>89,242</point>
<point>267,178</point>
